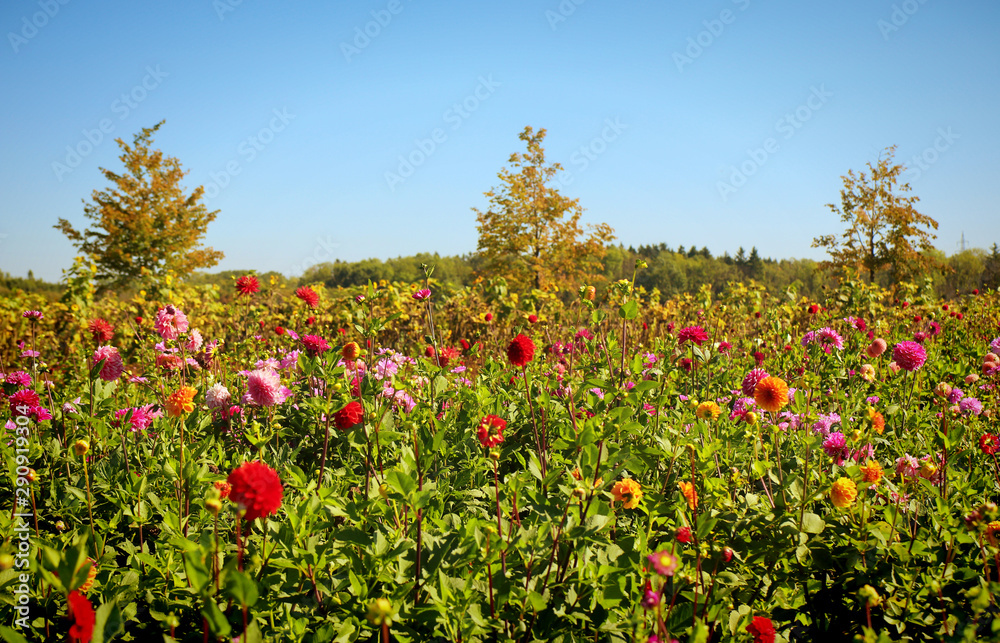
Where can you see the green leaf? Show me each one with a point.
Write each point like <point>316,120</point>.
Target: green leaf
<point>242,588</point>
<point>108,623</point>
<point>217,622</point>
<point>812,524</point>
<point>11,636</point>
<point>629,310</point>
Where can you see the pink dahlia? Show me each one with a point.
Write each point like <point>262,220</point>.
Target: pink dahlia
<point>751,379</point>
<point>171,322</point>
<point>694,334</point>
<point>113,366</point>
<point>217,396</point>
<point>264,388</point>
<point>909,355</point>
<point>422,294</point>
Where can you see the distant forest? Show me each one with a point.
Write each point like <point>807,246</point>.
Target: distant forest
<point>672,271</point>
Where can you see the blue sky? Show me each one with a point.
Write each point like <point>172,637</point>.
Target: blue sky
<point>347,130</point>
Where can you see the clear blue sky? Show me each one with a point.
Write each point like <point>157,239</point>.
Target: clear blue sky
<point>693,91</point>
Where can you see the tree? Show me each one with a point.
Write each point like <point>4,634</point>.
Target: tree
<point>144,226</point>
<point>884,229</point>
<point>531,234</point>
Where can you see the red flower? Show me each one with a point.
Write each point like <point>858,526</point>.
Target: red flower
<point>138,320</point>
<point>465,344</point>
<point>521,350</point>
<point>762,630</point>
<point>491,431</point>
<point>224,488</point>
<point>447,354</point>
<point>695,334</point>
<point>101,331</point>
<point>489,317</point>
<point>23,400</point>
<point>310,321</point>
<point>256,488</point>
<point>278,330</point>
<point>532,319</point>
<point>348,416</point>
<point>429,352</point>
<point>989,443</point>
<point>314,345</point>
<point>247,285</point>
<point>813,309</point>
<point>684,535</point>
<point>82,629</point>
<point>308,295</point>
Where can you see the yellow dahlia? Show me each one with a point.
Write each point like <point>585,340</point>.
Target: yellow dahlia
<point>843,493</point>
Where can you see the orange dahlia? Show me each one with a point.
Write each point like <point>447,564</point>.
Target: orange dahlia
<point>872,472</point>
<point>771,394</point>
<point>690,494</point>
<point>878,422</point>
<point>708,411</point>
<point>628,492</point>
<point>181,402</point>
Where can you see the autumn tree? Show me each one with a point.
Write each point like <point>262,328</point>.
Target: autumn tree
<point>531,234</point>
<point>144,225</point>
<point>884,229</point>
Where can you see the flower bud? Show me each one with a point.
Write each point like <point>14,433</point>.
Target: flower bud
<point>214,506</point>
<point>380,611</point>
<point>383,490</point>
<point>60,525</point>
<point>750,418</point>
<point>32,475</point>
<point>81,447</point>
<point>943,389</point>
<point>6,562</point>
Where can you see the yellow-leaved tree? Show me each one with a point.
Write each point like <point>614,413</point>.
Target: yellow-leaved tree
<point>884,230</point>
<point>531,235</point>
<point>145,226</point>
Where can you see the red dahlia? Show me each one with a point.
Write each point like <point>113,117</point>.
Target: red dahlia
<point>521,350</point>
<point>684,535</point>
<point>762,630</point>
<point>308,295</point>
<point>349,416</point>
<point>256,488</point>
<point>247,285</point>
<point>314,345</point>
<point>989,443</point>
<point>101,331</point>
<point>80,610</point>
<point>694,334</point>
<point>491,431</point>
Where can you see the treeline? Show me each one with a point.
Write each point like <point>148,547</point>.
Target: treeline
<point>672,271</point>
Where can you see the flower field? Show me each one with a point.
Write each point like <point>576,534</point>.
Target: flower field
<point>419,463</point>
